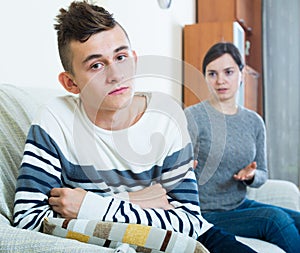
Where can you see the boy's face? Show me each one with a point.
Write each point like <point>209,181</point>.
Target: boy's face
<point>104,67</point>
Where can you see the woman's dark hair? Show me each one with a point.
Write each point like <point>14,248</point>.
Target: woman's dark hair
<point>219,49</point>
<point>79,23</point>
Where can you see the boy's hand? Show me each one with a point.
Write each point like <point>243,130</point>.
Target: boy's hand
<point>66,201</point>
<point>154,196</point>
<point>247,173</point>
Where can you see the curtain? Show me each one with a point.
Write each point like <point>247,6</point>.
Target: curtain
<point>281,78</point>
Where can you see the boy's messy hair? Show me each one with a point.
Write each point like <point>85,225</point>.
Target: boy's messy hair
<point>79,23</point>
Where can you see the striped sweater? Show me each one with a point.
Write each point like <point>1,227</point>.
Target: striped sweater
<point>65,149</point>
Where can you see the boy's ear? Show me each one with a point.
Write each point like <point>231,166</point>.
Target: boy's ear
<point>67,82</point>
<point>134,56</point>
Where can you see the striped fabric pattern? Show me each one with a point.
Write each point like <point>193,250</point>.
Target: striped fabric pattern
<point>110,234</point>
<point>64,149</point>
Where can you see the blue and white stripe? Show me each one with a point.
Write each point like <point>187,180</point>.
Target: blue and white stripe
<point>57,156</point>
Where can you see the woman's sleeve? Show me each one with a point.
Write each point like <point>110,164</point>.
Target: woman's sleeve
<point>261,174</point>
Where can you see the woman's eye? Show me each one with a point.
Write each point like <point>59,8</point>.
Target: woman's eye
<point>211,74</point>
<point>229,72</point>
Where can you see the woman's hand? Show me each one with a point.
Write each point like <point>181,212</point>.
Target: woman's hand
<point>195,164</point>
<point>247,173</point>
<point>66,201</point>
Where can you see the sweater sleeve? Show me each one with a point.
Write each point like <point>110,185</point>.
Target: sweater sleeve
<point>261,173</point>
<point>40,171</point>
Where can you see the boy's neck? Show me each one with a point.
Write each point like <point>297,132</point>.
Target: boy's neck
<point>123,118</point>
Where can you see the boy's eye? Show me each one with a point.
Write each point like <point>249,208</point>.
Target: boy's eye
<point>121,57</point>
<point>97,66</point>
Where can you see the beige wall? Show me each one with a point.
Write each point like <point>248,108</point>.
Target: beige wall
<point>28,53</point>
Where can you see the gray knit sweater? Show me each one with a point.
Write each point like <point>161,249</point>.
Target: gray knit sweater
<point>223,145</point>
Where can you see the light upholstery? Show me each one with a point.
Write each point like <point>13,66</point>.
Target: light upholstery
<point>285,194</point>
<point>18,106</point>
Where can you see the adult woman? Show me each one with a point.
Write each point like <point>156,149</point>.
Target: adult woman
<point>230,148</point>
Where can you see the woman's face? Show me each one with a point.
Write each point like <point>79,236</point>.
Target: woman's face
<point>224,77</point>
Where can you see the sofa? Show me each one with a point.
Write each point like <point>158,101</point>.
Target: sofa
<point>18,105</point>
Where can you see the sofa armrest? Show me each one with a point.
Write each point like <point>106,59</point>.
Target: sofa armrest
<point>277,192</point>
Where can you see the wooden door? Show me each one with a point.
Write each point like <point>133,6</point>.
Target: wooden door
<point>198,38</point>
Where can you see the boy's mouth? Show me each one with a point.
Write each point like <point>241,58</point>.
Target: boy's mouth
<point>118,91</point>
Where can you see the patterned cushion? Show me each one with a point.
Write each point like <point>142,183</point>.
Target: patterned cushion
<point>110,234</point>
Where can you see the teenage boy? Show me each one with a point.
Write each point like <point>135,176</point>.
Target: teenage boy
<point>110,153</point>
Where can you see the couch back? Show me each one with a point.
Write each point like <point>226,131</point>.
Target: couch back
<point>18,106</point>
